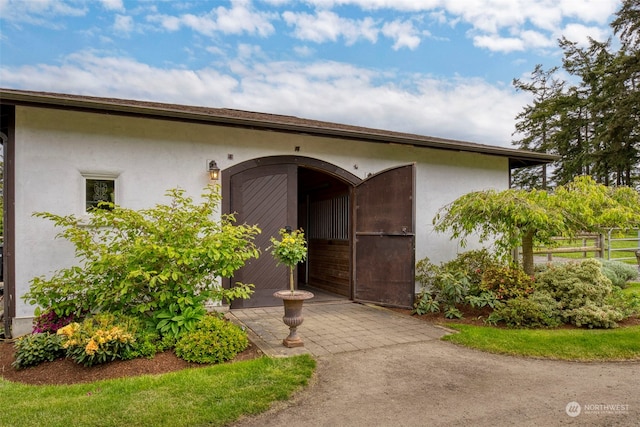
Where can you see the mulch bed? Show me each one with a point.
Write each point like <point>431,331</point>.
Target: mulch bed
<point>65,371</point>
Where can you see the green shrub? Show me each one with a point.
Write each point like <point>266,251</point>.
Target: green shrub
<point>149,342</point>
<point>474,264</point>
<point>33,349</point>
<point>575,283</point>
<point>534,311</point>
<point>213,340</point>
<point>426,273</point>
<point>507,282</point>
<point>619,272</point>
<point>99,339</point>
<point>426,303</point>
<point>594,315</point>
<point>583,292</point>
<point>453,283</point>
<point>445,291</point>
<point>485,299</point>
<point>160,263</point>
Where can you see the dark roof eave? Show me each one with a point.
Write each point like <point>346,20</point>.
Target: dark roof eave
<point>517,158</point>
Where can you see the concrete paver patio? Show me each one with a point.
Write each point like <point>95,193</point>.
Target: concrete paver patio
<point>334,327</point>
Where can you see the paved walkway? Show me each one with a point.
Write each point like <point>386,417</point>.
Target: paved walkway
<point>334,327</point>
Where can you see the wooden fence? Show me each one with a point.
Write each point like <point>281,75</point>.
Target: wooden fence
<point>603,245</point>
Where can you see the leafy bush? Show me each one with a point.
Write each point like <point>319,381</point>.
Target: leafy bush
<point>507,282</point>
<point>99,339</point>
<point>426,273</point>
<point>474,263</point>
<point>583,292</point>
<point>485,299</point>
<point>455,282</point>
<point>441,289</point>
<point>536,310</point>
<point>33,349</point>
<point>213,340</point>
<point>594,315</point>
<point>619,272</point>
<point>160,263</point>
<point>426,303</point>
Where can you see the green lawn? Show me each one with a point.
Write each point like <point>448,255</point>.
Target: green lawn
<point>565,344</point>
<point>211,396</point>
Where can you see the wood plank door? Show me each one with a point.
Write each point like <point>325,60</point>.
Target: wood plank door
<point>267,197</point>
<point>384,238</point>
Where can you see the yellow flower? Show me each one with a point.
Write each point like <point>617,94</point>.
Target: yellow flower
<point>91,347</point>
<point>68,330</point>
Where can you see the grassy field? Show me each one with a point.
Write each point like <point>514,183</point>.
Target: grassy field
<point>211,396</point>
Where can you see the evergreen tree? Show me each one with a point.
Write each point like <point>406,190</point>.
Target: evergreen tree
<point>593,123</point>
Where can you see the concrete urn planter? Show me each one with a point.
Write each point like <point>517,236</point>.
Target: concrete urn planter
<point>293,301</point>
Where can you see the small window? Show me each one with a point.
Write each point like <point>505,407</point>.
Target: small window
<point>98,191</point>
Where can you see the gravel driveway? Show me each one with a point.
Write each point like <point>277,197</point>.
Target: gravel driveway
<point>435,383</point>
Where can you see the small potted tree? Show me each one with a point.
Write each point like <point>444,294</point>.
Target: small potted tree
<point>291,250</point>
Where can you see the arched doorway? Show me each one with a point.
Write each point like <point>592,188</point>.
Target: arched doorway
<point>360,232</point>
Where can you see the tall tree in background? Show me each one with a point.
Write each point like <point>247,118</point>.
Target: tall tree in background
<point>538,123</point>
<point>591,125</point>
<point>625,75</point>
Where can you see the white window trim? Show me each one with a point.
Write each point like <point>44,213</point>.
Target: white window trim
<point>99,176</point>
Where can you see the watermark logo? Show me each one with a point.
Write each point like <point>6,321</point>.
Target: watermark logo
<point>573,409</point>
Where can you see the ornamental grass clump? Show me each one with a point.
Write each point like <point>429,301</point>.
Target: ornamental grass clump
<point>290,250</point>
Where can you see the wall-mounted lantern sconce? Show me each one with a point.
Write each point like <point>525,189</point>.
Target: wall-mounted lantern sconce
<point>214,171</point>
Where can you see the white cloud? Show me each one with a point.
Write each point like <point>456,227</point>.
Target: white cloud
<point>499,44</point>
<point>113,5</point>
<point>39,12</point>
<point>329,26</point>
<point>536,39</point>
<point>403,33</point>
<point>597,11</point>
<point>497,25</point>
<point>303,51</point>
<point>240,18</point>
<point>123,24</point>
<point>580,34</point>
<point>457,108</point>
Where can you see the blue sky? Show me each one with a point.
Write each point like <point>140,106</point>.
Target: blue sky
<point>442,68</point>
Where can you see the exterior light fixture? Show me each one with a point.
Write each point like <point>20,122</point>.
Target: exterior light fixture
<point>214,171</point>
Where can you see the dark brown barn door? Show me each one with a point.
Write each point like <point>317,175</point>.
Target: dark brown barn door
<point>265,196</point>
<point>384,243</point>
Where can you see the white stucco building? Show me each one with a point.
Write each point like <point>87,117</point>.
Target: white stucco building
<point>367,197</point>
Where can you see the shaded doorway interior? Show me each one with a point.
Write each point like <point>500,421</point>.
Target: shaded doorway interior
<point>360,232</point>
<point>324,214</point>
